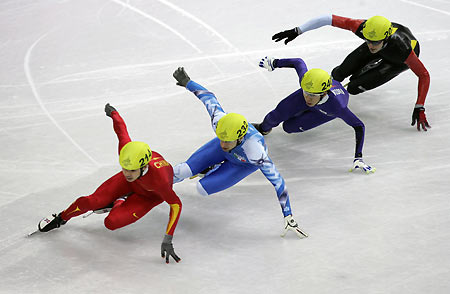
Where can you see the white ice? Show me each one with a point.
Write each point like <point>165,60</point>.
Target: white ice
<point>62,61</point>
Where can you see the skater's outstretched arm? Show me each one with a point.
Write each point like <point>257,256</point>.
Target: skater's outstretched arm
<point>208,98</point>
<point>119,126</point>
<point>318,22</point>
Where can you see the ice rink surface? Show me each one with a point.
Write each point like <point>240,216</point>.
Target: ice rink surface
<point>62,61</point>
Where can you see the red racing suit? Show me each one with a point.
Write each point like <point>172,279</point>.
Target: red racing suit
<point>148,191</point>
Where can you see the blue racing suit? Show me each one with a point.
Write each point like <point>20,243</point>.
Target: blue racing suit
<point>233,166</point>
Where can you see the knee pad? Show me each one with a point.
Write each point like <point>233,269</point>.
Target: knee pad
<point>181,171</point>
<point>201,190</point>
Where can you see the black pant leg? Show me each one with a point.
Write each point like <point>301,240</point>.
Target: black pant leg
<point>375,77</point>
<point>354,62</point>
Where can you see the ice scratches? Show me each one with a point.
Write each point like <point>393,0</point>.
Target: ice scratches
<point>41,104</point>
<point>4,44</point>
<point>161,23</point>
<point>311,47</point>
<point>43,164</point>
<point>166,26</point>
<point>200,22</point>
<point>12,241</point>
<point>220,36</point>
<point>425,6</point>
<point>76,77</point>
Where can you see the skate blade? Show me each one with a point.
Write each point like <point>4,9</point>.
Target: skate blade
<point>39,225</point>
<point>88,214</point>
<point>32,233</point>
<point>302,234</point>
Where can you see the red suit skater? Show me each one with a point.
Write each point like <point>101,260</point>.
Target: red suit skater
<point>146,180</point>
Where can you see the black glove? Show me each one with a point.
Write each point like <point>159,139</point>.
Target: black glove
<point>420,118</point>
<point>109,109</point>
<point>259,129</point>
<point>289,35</point>
<point>167,249</point>
<point>181,76</point>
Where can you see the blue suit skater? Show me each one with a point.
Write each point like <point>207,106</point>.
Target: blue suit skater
<point>237,151</point>
<point>319,100</point>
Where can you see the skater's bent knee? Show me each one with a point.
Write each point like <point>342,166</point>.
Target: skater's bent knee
<point>201,190</point>
<point>337,75</point>
<point>354,89</point>
<point>288,128</point>
<point>111,224</point>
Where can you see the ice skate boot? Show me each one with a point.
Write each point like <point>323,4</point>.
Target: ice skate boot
<point>258,127</point>
<point>52,222</point>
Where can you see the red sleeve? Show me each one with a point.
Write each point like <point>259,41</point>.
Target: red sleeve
<point>346,23</point>
<point>424,77</point>
<point>121,129</point>
<point>175,209</point>
<point>162,174</point>
<point>168,194</point>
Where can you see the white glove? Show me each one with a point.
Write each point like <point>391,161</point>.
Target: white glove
<point>359,163</point>
<point>291,224</point>
<point>267,63</point>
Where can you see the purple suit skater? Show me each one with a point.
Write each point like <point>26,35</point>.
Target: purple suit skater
<point>319,100</point>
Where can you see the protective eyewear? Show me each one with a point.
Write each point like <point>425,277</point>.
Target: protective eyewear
<point>313,94</point>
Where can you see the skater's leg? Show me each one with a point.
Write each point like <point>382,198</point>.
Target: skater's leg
<point>109,191</point>
<point>134,208</point>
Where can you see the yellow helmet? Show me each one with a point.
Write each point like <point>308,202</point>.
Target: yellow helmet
<point>231,127</point>
<point>377,28</point>
<point>135,155</point>
<point>316,81</point>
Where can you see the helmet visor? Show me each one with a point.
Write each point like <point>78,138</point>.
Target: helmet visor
<point>313,94</point>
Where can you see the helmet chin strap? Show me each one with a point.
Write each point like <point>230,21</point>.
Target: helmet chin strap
<point>323,98</point>
<point>385,41</point>
<point>143,170</point>
<point>238,142</point>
